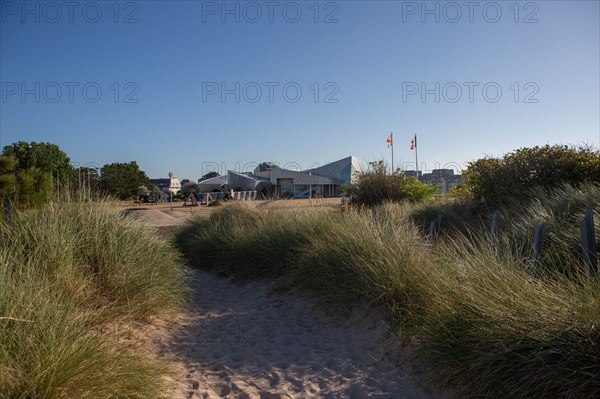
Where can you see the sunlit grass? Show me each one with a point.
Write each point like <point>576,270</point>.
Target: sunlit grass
<point>66,274</point>
<point>481,320</point>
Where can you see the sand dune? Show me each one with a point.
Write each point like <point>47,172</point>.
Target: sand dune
<point>240,341</point>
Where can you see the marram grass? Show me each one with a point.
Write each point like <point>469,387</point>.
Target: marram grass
<point>482,321</point>
<point>66,274</point>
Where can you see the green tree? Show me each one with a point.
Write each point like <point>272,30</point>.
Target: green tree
<point>122,180</point>
<point>37,169</point>
<point>154,189</point>
<point>46,157</point>
<point>143,191</point>
<point>34,187</point>
<point>7,177</point>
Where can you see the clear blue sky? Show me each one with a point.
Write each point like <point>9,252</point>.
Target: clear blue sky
<point>373,57</point>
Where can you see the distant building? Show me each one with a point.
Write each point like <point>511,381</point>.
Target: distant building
<point>213,184</point>
<point>445,179</point>
<point>167,185</point>
<point>413,173</point>
<point>162,184</point>
<point>270,180</point>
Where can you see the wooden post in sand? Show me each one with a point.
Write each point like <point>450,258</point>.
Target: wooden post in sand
<point>494,228</point>
<point>539,234</point>
<point>588,241</point>
<point>434,227</point>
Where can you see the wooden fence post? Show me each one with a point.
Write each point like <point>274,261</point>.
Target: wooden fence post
<point>494,228</point>
<point>434,227</point>
<point>538,242</point>
<point>588,241</point>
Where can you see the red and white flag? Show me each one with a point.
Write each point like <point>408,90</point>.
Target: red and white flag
<point>390,141</point>
<point>413,143</point>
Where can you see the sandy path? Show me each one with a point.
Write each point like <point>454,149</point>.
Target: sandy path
<point>240,341</point>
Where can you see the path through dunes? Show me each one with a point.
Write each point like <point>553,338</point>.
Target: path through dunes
<point>241,341</point>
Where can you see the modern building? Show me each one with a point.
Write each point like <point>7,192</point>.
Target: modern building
<point>207,176</point>
<point>214,184</point>
<point>270,180</point>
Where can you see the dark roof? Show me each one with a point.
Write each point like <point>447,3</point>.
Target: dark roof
<point>265,166</point>
<point>160,182</point>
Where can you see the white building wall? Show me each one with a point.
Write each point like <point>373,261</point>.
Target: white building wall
<point>174,185</point>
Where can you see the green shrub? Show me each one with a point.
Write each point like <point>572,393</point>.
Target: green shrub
<point>500,180</point>
<point>376,186</point>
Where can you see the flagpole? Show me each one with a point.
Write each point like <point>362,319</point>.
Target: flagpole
<point>416,156</point>
<point>392,136</point>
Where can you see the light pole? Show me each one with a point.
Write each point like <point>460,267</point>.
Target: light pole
<point>96,167</point>
<point>78,167</point>
<point>79,184</point>
<point>309,187</point>
<point>170,192</point>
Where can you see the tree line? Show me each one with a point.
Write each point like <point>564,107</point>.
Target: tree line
<point>31,174</point>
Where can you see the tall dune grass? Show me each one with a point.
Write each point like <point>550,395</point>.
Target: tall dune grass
<point>494,329</point>
<point>68,275</point>
<point>480,318</point>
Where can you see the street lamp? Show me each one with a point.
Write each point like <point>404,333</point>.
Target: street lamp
<point>170,192</point>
